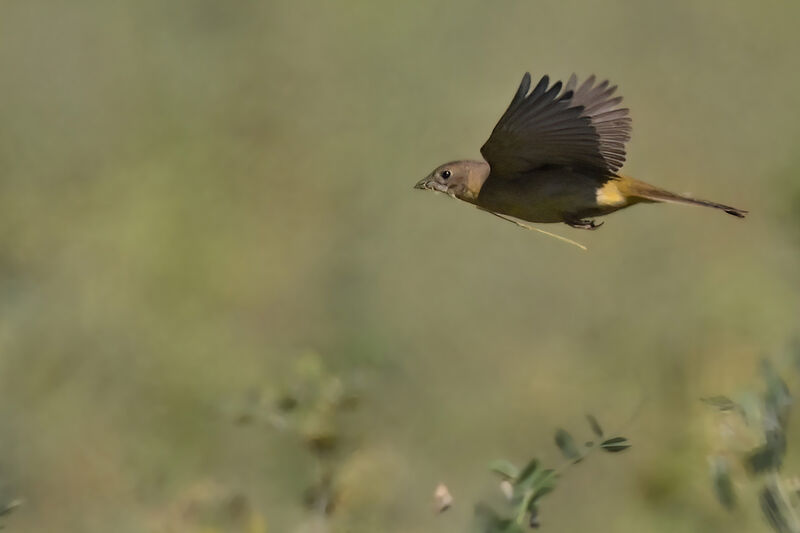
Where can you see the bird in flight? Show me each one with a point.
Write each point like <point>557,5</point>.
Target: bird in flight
<point>554,156</point>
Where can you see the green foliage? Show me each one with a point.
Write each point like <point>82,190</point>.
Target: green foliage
<point>723,485</point>
<point>8,508</point>
<point>566,444</point>
<point>723,403</point>
<point>505,469</point>
<point>615,444</point>
<point>776,511</point>
<point>310,405</point>
<point>595,425</point>
<point>524,488</point>
<point>764,415</point>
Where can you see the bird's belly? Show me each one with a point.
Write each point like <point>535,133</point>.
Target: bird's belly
<point>549,197</point>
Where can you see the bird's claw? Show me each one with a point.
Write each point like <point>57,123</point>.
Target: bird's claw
<point>584,223</point>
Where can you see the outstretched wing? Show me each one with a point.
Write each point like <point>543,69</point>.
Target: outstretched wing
<point>580,127</point>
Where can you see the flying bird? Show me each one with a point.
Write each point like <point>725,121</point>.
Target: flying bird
<point>554,156</point>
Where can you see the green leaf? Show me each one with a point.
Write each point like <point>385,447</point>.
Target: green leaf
<point>595,425</point>
<point>524,478</point>
<point>772,509</point>
<point>615,444</point>
<point>760,461</point>
<point>543,483</point>
<point>770,455</point>
<point>566,444</point>
<point>9,507</point>
<point>723,403</point>
<point>504,469</point>
<point>543,491</point>
<point>534,485</point>
<point>489,521</point>
<point>723,486</point>
<point>523,484</point>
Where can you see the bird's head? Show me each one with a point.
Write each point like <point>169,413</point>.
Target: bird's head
<point>459,179</point>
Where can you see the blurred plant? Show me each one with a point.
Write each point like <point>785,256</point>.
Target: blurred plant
<point>8,508</point>
<point>524,488</point>
<point>753,427</point>
<point>309,405</point>
<point>208,507</point>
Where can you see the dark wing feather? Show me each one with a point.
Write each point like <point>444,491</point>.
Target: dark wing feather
<point>580,127</point>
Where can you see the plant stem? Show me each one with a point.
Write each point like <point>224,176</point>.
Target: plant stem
<point>523,508</point>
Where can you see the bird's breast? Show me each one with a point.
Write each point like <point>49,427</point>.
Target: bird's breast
<point>550,196</point>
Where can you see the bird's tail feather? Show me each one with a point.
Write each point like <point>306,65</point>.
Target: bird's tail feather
<point>648,193</point>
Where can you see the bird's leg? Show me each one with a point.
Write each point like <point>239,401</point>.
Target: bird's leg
<point>583,223</point>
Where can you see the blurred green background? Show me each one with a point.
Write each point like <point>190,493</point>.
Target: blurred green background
<point>198,194</point>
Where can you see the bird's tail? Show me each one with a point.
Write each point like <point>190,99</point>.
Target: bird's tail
<point>645,192</point>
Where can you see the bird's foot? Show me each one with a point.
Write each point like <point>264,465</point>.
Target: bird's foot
<point>583,223</point>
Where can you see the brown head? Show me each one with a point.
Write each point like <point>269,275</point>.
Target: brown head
<point>460,179</point>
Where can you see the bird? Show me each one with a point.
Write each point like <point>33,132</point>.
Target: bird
<point>554,157</point>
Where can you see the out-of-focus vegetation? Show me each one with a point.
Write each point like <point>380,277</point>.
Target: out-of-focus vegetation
<point>195,194</point>
<point>310,403</point>
<point>753,443</point>
<point>524,488</point>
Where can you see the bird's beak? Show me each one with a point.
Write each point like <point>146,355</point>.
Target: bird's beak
<point>424,183</point>
<point>430,184</point>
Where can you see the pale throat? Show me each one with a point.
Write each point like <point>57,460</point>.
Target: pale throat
<point>478,171</point>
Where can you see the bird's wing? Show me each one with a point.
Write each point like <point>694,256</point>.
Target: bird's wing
<point>581,127</point>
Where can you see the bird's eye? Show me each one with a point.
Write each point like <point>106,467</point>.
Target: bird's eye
<point>445,174</point>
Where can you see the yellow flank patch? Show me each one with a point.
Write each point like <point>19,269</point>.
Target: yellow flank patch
<point>610,195</point>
